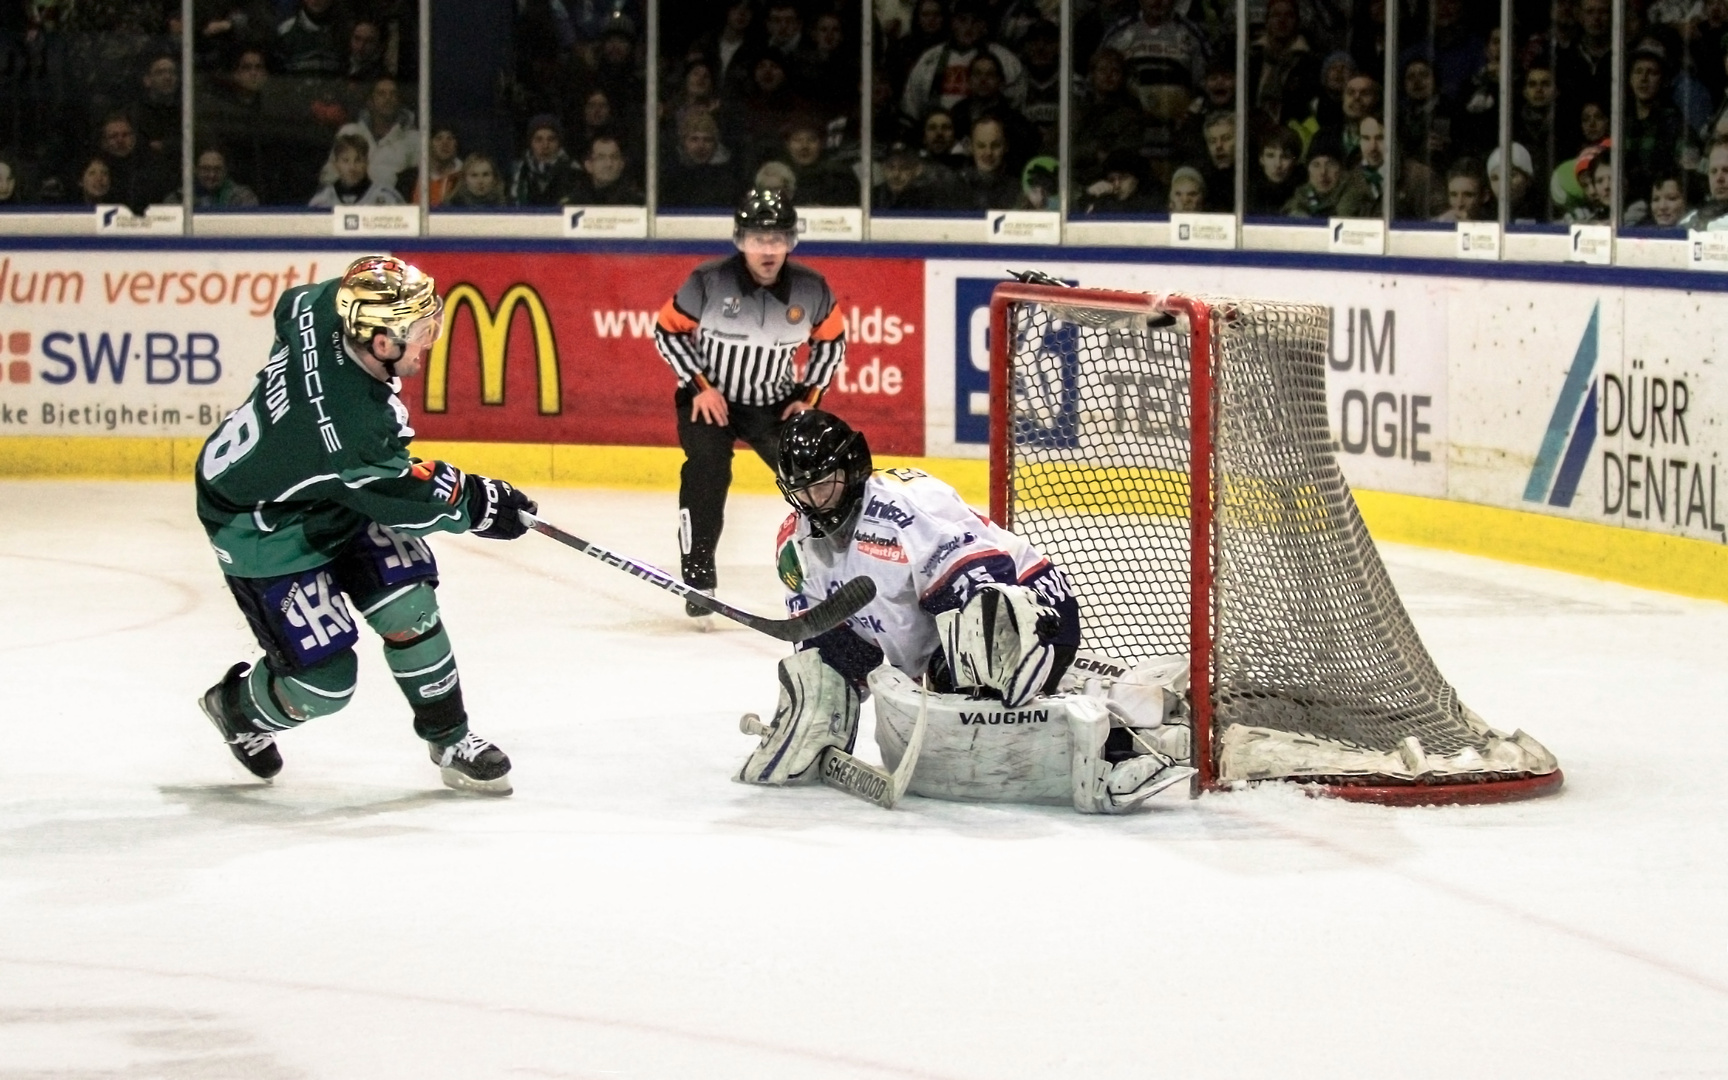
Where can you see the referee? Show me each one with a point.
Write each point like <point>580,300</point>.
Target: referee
<point>730,333</point>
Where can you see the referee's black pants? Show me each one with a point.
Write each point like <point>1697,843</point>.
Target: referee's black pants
<point>707,474</point>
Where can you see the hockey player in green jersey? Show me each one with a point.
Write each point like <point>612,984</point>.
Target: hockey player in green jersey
<point>308,493</point>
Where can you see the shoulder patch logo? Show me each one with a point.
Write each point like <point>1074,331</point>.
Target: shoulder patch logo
<point>731,306</point>
<point>787,528</point>
<point>790,569</point>
<point>794,314</point>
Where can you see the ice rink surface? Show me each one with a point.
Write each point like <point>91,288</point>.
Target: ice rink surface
<point>633,913</point>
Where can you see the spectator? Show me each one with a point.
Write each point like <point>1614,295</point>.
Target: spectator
<point>1466,192</point>
<point>1524,194</point>
<point>911,181</point>
<point>987,180</point>
<point>1219,166</point>
<point>1218,91</point>
<point>941,76</point>
<point>603,182</point>
<point>391,136</point>
<point>1478,117</point>
<point>354,184</point>
<point>1042,48</point>
<point>213,188</point>
<point>365,62</point>
<point>1584,68</point>
<point>1715,208</point>
<point>1596,178</point>
<point>768,106</point>
<point>445,168</point>
<point>696,92</point>
<point>928,30</point>
<point>777,176</point>
<point>830,72</point>
<point>819,182</point>
<point>727,45</point>
<point>228,27</point>
<point>1187,191</point>
<point>984,81</point>
<point>11,193</point>
<point>615,69</point>
<point>598,120</point>
<point>1361,98</point>
<point>1336,71</point>
<point>1111,118</point>
<point>1453,49</point>
<point>95,182</point>
<point>156,113</point>
<point>1166,59</point>
<point>703,173</point>
<point>1668,201</point>
<point>1330,190</point>
<point>1272,186</point>
<point>545,176</point>
<point>138,176</point>
<point>274,145</point>
<point>314,40</point>
<point>940,138</point>
<point>1124,188</point>
<point>1370,156</point>
<point>1652,135</point>
<point>1040,187</point>
<point>1424,119</point>
<point>480,187</point>
<point>1533,123</point>
<point>1283,74</point>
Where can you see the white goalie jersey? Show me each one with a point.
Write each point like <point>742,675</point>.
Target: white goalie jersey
<point>925,549</point>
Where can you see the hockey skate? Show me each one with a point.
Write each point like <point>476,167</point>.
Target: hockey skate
<point>252,748</point>
<point>473,764</point>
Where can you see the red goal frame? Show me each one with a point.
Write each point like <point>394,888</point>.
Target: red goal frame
<point>1202,541</point>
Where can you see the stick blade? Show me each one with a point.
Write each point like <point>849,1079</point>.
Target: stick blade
<point>840,605</point>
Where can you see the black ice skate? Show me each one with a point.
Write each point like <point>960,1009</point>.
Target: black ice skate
<point>252,748</point>
<point>473,764</point>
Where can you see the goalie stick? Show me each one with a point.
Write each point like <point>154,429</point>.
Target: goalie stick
<point>838,769</point>
<point>825,616</point>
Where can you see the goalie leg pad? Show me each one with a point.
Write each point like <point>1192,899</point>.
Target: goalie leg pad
<point>818,708</point>
<point>1000,640</point>
<point>1101,787</point>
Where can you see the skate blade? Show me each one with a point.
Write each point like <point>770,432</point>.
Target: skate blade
<point>703,623</point>
<point>456,781</point>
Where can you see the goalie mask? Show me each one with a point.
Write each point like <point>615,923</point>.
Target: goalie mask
<point>382,295</point>
<point>822,470</point>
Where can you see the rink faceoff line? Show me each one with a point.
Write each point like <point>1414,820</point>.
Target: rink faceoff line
<point>1620,949</point>
<point>637,1026</point>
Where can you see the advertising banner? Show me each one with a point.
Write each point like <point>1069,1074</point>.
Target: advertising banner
<point>153,343</point>
<point>560,348</point>
<point>1386,364</point>
<point>1578,402</point>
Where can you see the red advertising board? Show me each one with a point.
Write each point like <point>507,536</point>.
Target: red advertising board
<point>559,348</point>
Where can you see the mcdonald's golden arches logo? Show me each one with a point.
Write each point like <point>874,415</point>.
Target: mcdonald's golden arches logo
<point>492,331</point>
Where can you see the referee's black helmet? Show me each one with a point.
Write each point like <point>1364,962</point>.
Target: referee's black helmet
<point>818,449</point>
<point>764,210</point>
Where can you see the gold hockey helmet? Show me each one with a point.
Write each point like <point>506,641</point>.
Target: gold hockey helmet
<point>380,294</point>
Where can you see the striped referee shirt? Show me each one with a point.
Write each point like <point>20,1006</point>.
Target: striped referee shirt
<point>721,329</point>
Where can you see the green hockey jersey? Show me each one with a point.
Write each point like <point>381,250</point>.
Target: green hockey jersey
<point>318,449</point>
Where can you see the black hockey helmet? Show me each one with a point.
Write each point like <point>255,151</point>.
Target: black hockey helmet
<point>765,210</point>
<point>817,449</point>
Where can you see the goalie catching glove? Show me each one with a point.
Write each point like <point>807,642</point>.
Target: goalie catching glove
<point>1000,641</point>
<point>495,508</point>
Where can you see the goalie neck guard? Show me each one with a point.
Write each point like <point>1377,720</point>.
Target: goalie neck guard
<point>822,470</point>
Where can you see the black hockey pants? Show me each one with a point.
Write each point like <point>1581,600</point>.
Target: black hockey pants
<point>707,474</point>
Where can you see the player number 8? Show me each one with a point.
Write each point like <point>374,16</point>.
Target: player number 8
<point>238,436</point>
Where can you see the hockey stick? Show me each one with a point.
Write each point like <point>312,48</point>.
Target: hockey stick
<point>841,770</point>
<point>825,616</point>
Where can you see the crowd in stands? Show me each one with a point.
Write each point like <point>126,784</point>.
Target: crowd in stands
<point>313,103</point>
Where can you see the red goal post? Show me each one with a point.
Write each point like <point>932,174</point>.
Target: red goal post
<point>1171,454</point>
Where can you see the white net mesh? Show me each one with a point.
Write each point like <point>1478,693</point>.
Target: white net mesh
<point>1316,670</point>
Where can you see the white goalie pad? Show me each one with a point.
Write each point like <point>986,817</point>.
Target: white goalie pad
<point>1258,753</point>
<point>992,643</point>
<point>982,751</point>
<point>817,709</point>
<point>1146,697</point>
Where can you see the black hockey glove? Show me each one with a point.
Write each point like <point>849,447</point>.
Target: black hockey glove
<point>495,508</point>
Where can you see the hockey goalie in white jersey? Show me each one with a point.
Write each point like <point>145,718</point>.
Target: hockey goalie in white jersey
<point>973,610</point>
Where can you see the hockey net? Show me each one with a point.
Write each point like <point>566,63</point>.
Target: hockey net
<point>1171,454</point>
